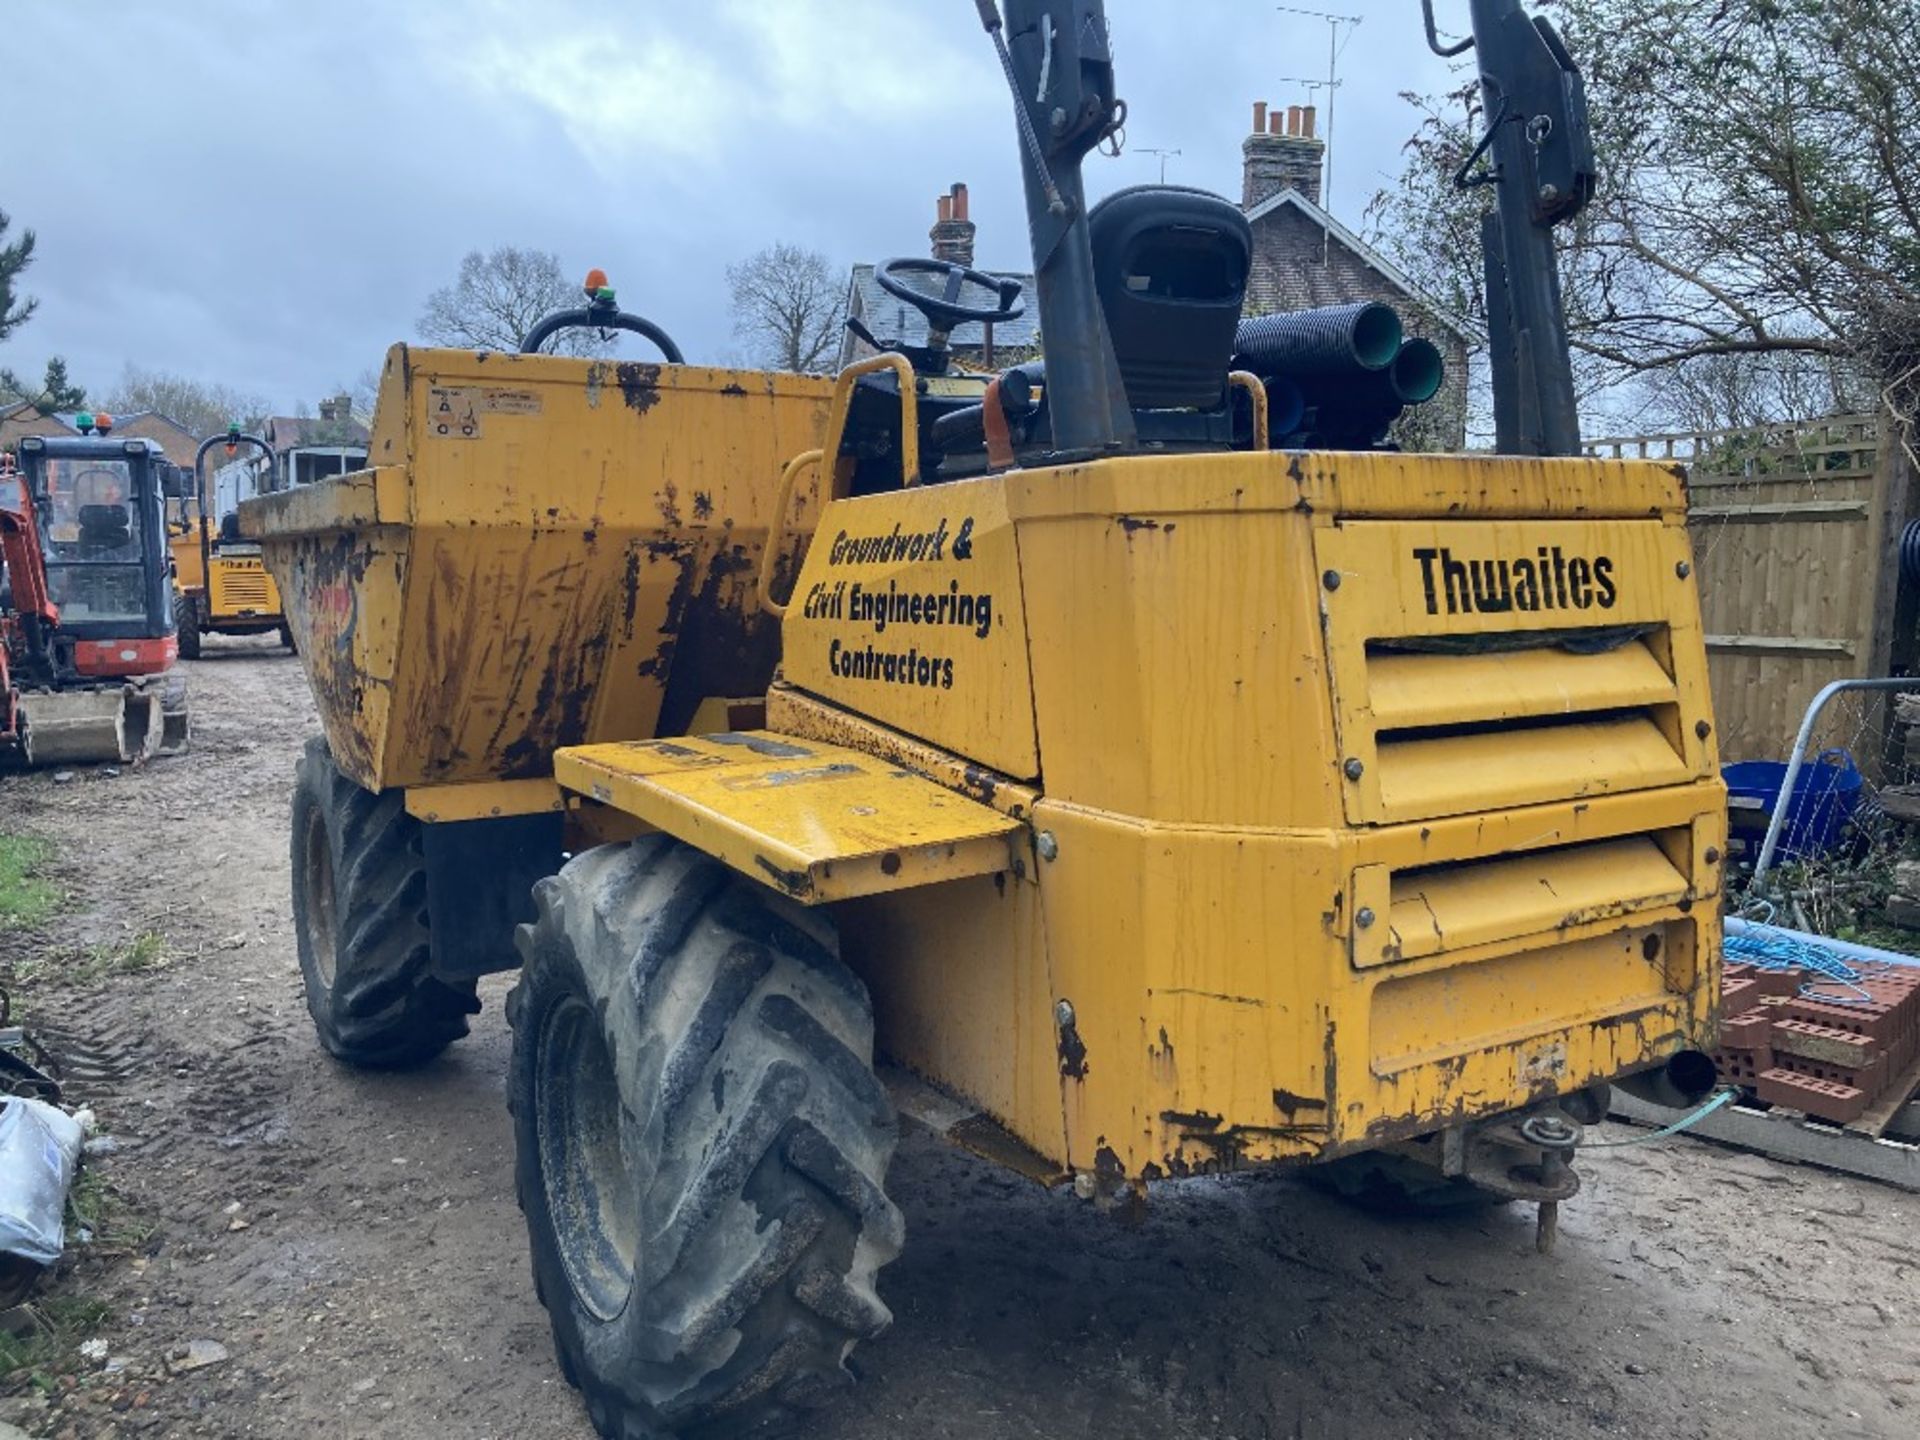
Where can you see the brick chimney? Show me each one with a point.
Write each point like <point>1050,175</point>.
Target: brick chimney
<point>1282,153</point>
<point>952,232</point>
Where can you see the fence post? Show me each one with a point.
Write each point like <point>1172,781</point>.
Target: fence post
<point>1896,603</point>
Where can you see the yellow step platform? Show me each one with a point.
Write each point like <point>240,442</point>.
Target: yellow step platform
<point>817,822</point>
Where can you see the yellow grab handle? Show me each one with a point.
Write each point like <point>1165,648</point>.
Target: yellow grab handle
<point>909,409</point>
<point>777,530</point>
<point>1256,392</point>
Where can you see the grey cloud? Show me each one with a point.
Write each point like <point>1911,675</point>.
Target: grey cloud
<point>262,194</point>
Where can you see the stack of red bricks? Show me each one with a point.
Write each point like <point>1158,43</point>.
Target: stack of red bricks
<point>1824,1056</point>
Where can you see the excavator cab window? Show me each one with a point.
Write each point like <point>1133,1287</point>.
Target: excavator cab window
<point>95,547</point>
<point>102,534</point>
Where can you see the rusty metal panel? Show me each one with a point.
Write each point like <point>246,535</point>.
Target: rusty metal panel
<point>909,610</point>
<point>547,552</point>
<point>483,800</point>
<point>1219,1019</point>
<point>1436,616</point>
<point>1175,640</point>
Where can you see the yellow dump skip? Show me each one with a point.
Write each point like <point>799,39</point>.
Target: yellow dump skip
<point>817,822</point>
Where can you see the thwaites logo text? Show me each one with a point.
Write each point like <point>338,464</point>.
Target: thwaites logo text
<point>1550,579</point>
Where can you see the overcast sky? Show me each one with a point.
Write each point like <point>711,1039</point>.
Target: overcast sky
<point>261,194</point>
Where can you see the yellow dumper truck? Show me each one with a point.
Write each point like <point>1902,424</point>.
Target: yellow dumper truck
<point>1162,802</point>
<point>220,585</point>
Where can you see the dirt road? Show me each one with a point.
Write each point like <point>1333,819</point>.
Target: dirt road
<point>352,1241</point>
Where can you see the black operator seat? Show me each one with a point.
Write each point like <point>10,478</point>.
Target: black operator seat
<point>1170,264</point>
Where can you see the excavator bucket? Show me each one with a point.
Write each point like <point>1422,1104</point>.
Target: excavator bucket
<point>126,725</point>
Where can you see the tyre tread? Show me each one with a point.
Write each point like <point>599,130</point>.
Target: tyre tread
<point>385,1008</point>
<point>740,1039</point>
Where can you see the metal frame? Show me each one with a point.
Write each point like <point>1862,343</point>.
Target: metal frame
<point>1798,758</point>
<point>232,439</point>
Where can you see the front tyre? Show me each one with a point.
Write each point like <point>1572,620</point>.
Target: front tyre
<point>360,923</point>
<point>700,1144</point>
<point>186,626</point>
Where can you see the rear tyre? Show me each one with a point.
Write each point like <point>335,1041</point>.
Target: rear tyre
<point>186,625</point>
<point>700,1144</point>
<point>1384,1183</point>
<point>360,922</point>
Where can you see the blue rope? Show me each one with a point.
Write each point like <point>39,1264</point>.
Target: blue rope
<point>1685,1122</point>
<point>1779,952</point>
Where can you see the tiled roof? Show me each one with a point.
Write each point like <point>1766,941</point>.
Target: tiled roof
<point>286,431</point>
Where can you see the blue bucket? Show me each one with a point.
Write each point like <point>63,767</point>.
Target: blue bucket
<point>1825,795</point>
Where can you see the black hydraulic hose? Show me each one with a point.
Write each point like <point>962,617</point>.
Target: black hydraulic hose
<point>589,318</point>
<point>1333,340</point>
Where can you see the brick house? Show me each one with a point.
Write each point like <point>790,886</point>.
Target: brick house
<point>1303,257</point>
<point>175,439</point>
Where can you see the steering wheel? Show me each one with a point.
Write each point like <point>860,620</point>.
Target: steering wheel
<point>941,305</point>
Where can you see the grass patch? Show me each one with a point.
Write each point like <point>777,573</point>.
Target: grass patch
<point>40,1346</point>
<point>108,1223</point>
<point>48,1344</point>
<point>27,897</point>
<point>90,964</point>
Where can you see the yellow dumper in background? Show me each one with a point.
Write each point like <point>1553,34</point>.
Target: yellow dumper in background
<point>1157,802</point>
<point>221,586</point>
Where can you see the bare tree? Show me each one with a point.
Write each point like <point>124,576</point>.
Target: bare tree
<point>205,409</point>
<point>786,307</point>
<point>364,391</point>
<point>497,299</point>
<point>1758,222</point>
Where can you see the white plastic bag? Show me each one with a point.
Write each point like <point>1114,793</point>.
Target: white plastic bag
<point>39,1153</point>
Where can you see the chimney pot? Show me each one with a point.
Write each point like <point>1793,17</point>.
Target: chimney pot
<point>952,232</point>
<point>1287,155</point>
<point>1259,116</point>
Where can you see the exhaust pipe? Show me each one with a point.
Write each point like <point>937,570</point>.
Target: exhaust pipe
<point>1687,1078</point>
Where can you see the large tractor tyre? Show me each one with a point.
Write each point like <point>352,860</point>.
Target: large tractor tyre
<point>360,922</point>
<point>1384,1183</point>
<point>186,625</point>
<point>700,1144</point>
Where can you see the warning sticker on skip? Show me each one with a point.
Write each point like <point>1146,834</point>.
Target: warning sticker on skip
<point>454,411</point>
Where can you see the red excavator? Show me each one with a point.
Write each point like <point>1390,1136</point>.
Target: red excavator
<point>87,645</point>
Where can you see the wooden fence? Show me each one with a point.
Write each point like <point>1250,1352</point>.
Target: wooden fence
<point>1796,536</point>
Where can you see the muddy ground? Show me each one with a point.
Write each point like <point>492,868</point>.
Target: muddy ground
<point>351,1240</point>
